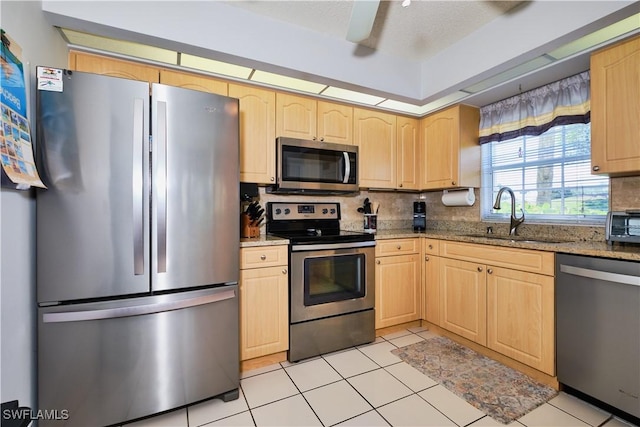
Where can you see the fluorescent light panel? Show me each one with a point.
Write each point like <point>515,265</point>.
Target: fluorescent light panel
<point>511,73</point>
<point>612,31</point>
<point>401,106</point>
<point>212,66</point>
<point>442,102</point>
<point>287,82</point>
<point>349,95</point>
<point>123,47</point>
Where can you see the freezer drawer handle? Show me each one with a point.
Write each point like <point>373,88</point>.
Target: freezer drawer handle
<point>601,275</point>
<point>136,310</point>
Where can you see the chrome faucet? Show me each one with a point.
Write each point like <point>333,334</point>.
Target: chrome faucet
<point>514,222</point>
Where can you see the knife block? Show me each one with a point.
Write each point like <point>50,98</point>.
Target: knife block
<point>246,229</point>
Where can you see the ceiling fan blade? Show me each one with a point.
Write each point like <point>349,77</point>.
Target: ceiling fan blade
<point>363,14</point>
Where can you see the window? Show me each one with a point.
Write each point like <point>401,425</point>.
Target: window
<point>550,175</point>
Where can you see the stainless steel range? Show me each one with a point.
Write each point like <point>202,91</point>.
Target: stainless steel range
<point>331,278</point>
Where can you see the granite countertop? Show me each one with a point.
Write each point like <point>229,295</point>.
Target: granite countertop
<point>590,248</point>
<point>262,240</point>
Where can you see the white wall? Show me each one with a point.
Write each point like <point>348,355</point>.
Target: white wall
<point>41,45</point>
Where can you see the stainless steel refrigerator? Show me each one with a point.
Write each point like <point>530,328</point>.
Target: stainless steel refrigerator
<point>137,249</point>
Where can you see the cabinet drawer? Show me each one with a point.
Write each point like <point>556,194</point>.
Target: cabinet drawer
<point>431,246</point>
<point>518,259</point>
<point>263,256</point>
<point>396,247</point>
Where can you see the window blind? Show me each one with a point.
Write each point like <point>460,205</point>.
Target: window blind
<point>550,175</point>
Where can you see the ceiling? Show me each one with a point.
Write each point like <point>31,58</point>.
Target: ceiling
<point>415,32</point>
<point>416,60</point>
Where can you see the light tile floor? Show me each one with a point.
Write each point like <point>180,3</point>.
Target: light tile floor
<point>363,386</point>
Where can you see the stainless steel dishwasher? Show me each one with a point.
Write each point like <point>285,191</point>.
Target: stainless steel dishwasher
<point>598,329</point>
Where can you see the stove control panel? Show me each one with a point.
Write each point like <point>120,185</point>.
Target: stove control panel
<point>286,211</point>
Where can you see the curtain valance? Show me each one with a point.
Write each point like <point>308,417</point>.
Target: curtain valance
<point>536,111</point>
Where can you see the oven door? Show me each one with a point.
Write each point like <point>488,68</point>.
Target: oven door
<point>331,279</point>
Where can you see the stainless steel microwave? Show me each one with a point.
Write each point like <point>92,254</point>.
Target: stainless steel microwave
<point>623,227</point>
<point>314,167</point>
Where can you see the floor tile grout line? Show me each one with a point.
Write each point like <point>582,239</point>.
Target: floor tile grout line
<point>573,415</point>
<point>304,397</point>
<point>609,418</point>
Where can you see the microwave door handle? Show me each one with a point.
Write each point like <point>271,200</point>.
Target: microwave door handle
<point>347,167</point>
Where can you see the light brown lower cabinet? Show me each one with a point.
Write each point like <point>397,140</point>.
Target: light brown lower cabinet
<point>264,302</point>
<point>499,297</point>
<point>521,317</point>
<point>397,284</point>
<point>463,298</point>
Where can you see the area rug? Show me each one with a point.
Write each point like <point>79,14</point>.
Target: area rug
<point>497,390</point>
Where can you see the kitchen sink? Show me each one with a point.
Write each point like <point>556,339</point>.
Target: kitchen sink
<point>520,239</point>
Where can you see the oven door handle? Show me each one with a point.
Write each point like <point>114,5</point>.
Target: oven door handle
<point>324,246</point>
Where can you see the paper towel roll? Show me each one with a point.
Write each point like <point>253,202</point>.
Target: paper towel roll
<point>458,198</point>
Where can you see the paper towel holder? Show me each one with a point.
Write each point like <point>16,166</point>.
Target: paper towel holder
<point>458,197</point>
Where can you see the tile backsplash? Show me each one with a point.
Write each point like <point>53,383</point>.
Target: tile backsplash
<point>396,211</point>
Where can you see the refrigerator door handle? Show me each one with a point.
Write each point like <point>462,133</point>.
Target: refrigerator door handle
<point>138,187</point>
<point>136,310</point>
<point>161,186</point>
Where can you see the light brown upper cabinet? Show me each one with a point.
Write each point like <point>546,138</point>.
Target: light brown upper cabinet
<point>615,109</point>
<point>193,81</point>
<point>375,135</point>
<point>450,150</point>
<point>306,118</point>
<point>408,139</point>
<point>86,62</point>
<point>257,133</point>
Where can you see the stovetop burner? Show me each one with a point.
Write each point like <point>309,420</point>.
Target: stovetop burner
<point>310,223</point>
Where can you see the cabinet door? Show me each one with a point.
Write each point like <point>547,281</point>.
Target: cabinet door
<point>296,116</point>
<point>440,150</point>
<point>257,133</point>
<point>520,317</point>
<point>335,123</point>
<point>408,153</point>
<point>397,290</point>
<point>463,299</point>
<point>264,308</point>
<point>375,135</point>
<point>615,109</point>
<point>431,289</point>
<point>113,67</point>
<point>193,81</point>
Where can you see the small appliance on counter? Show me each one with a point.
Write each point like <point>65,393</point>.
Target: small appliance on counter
<point>623,227</point>
<point>419,216</point>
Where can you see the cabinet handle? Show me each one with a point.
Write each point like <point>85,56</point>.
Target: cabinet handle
<point>596,168</point>
<point>453,183</point>
<point>400,185</point>
<point>284,271</point>
<point>490,271</point>
<point>398,247</point>
<point>263,257</point>
<point>430,246</point>
<point>322,139</point>
<point>426,258</point>
<point>377,261</point>
<point>479,269</point>
<point>272,179</point>
<point>314,138</point>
